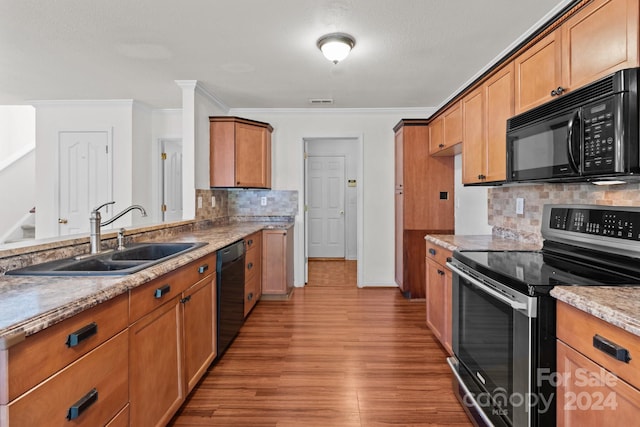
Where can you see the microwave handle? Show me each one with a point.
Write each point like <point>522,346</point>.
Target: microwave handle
<point>571,140</point>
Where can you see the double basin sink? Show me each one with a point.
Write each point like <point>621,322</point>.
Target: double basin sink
<point>134,258</point>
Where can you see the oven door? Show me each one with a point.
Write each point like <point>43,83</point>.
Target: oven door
<point>546,150</point>
<point>493,328</point>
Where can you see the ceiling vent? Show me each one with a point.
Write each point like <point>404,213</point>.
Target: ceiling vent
<point>321,101</point>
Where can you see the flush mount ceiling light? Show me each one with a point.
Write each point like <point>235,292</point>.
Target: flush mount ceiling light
<point>336,46</point>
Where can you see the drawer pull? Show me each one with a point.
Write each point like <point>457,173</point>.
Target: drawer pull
<point>75,338</point>
<point>611,348</point>
<point>249,266</point>
<point>250,242</point>
<point>203,268</point>
<point>448,259</point>
<point>82,405</point>
<point>185,299</point>
<point>161,291</point>
<point>432,251</point>
<point>250,296</point>
<point>440,272</point>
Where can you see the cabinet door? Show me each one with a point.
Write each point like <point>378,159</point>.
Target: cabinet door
<point>453,125</point>
<point>274,279</point>
<point>399,241</point>
<point>598,40</point>
<point>499,99</point>
<point>399,159</point>
<point>436,135</point>
<point>538,72</point>
<point>435,296</point>
<point>589,395</point>
<point>155,366</point>
<point>474,137</point>
<point>253,156</point>
<point>199,329</point>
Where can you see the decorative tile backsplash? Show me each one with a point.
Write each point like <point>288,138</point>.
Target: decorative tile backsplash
<point>526,227</point>
<point>247,204</point>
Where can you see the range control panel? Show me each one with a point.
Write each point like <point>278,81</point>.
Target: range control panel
<point>621,224</point>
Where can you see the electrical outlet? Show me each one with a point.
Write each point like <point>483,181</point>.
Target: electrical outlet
<point>199,202</point>
<point>263,201</point>
<point>519,206</point>
<point>213,201</point>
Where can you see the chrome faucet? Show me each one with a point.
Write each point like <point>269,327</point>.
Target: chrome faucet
<point>95,242</point>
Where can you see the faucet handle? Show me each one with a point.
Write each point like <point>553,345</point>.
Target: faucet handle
<point>103,205</point>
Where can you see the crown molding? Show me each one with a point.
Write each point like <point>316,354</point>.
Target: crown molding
<point>199,88</point>
<point>419,111</point>
<point>85,102</point>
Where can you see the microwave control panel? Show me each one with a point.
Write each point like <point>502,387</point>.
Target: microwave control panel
<point>621,224</point>
<point>599,137</point>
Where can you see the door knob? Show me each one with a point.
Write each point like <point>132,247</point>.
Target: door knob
<point>341,212</point>
<point>62,220</point>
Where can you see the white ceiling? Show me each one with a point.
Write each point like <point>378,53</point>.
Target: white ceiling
<point>254,53</point>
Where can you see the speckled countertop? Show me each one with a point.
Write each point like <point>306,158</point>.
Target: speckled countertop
<point>479,242</point>
<point>29,304</point>
<point>618,305</point>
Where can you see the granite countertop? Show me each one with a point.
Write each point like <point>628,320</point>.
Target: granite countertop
<point>29,304</point>
<point>479,242</point>
<point>618,305</point>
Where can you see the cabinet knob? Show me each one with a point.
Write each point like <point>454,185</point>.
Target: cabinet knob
<point>249,266</point>
<point>432,251</point>
<point>440,272</point>
<point>440,145</point>
<point>558,91</point>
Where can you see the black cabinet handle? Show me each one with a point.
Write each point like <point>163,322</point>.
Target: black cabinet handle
<point>249,266</point>
<point>448,259</point>
<point>558,91</point>
<point>203,268</point>
<point>611,348</point>
<point>82,405</point>
<point>250,296</point>
<point>161,291</point>
<point>75,338</point>
<point>432,251</point>
<point>185,299</point>
<point>249,242</point>
<point>440,272</point>
<point>440,145</point>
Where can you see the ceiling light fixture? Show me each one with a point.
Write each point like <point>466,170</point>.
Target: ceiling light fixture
<point>336,46</point>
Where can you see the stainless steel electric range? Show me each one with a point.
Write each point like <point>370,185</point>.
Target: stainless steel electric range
<point>504,319</point>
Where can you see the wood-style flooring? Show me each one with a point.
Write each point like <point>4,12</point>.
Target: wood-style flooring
<point>333,355</point>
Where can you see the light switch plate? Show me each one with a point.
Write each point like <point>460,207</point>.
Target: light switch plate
<point>519,206</point>
<point>213,201</point>
<point>263,201</point>
<point>199,202</point>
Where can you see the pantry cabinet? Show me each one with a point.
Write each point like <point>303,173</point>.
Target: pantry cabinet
<point>424,195</point>
<point>240,153</point>
<point>173,332</point>
<point>485,111</point>
<point>596,386</point>
<point>598,40</point>
<point>277,263</point>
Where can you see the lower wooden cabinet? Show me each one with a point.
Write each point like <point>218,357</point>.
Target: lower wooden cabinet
<point>594,386</point>
<point>277,262</point>
<point>253,271</point>
<point>438,294</point>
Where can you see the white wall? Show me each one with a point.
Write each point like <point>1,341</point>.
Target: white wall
<point>471,205</point>
<point>375,128</point>
<point>142,186</point>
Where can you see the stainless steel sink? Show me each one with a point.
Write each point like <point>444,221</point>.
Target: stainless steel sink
<point>130,260</point>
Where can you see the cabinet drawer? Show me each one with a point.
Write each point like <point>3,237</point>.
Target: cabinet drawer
<point>120,420</point>
<point>438,253</point>
<point>93,390</point>
<point>252,263</point>
<point>584,332</point>
<point>46,352</point>
<point>251,293</point>
<point>155,293</point>
<point>253,241</point>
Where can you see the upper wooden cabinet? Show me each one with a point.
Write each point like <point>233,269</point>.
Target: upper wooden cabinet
<point>485,111</point>
<point>445,132</point>
<point>240,153</point>
<point>599,39</point>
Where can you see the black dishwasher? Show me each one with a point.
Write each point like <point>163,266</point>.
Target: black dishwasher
<point>230,284</point>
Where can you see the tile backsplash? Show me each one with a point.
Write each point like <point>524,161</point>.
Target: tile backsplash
<point>526,227</point>
<point>246,204</point>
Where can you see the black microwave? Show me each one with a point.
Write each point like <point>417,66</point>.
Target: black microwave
<point>590,134</point>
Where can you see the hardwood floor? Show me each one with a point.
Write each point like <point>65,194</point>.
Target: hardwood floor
<point>333,355</point>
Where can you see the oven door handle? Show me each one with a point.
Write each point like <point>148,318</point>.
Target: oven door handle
<point>516,305</point>
<point>453,365</point>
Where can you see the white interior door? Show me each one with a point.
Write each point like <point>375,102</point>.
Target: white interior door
<point>326,184</point>
<point>171,180</point>
<point>84,178</point>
